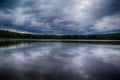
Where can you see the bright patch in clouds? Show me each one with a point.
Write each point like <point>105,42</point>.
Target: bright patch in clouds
<point>109,23</point>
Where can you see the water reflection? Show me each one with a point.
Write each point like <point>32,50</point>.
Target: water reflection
<point>60,61</point>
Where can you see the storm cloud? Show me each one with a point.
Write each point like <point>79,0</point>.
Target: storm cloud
<point>61,16</point>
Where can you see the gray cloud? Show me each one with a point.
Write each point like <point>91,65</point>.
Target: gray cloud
<point>59,16</point>
<point>108,23</point>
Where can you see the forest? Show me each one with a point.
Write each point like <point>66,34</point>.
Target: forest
<point>4,34</point>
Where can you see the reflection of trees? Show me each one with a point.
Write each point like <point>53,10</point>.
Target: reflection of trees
<point>12,43</point>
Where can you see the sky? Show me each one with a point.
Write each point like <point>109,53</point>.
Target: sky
<point>60,16</point>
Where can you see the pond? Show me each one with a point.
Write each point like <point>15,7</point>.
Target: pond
<point>59,61</point>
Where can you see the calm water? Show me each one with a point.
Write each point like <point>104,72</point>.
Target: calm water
<point>59,61</point>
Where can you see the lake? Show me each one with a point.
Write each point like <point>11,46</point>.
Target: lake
<point>59,61</point>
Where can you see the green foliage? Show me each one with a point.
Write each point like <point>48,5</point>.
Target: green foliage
<point>15,35</point>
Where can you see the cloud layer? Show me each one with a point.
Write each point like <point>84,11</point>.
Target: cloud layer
<point>61,16</point>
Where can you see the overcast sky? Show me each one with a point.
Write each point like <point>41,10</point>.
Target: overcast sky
<point>60,16</point>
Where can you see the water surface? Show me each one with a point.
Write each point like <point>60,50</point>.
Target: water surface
<point>59,61</point>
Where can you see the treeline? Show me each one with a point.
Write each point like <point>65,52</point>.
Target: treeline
<point>15,35</point>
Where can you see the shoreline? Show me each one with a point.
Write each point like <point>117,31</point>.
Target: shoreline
<point>60,40</point>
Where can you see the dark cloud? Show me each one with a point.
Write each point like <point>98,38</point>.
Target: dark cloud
<point>7,4</point>
<point>60,16</point>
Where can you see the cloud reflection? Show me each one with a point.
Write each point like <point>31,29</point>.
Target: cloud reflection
<point>61,61</point>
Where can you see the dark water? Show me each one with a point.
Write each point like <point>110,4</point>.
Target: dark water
<point>59,61</point>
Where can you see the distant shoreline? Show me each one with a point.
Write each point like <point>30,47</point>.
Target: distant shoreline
<point>7,35</point>
<point>60,40</point>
